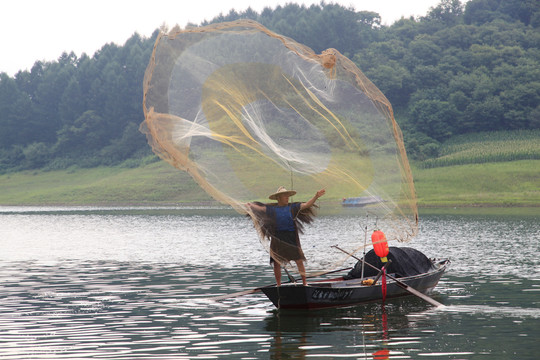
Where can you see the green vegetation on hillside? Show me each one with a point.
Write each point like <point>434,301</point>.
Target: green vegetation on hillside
<point>461,68</point>
<point>464,82</point>
<point>479,148</point>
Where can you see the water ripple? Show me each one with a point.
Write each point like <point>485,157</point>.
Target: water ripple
<point>100,285</point>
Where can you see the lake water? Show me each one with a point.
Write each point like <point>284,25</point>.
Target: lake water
<point>136,283</point>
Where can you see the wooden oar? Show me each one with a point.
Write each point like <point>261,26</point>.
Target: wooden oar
<point>399,283</point>
<point>251,291</point>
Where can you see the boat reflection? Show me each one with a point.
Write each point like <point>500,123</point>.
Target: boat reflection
<point>297,334</point>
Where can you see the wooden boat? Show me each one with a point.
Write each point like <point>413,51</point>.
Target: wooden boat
<point>340,292</point>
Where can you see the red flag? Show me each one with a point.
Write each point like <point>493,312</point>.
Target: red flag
<point>383,284</point>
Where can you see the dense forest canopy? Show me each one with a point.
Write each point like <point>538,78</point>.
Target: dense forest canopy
<point>459,69</point>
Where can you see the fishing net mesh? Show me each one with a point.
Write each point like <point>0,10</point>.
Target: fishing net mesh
<point>244,110</point>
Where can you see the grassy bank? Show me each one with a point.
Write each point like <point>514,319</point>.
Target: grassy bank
<point>154,184</point>
<point>513,183</point>
<point>483,169</point>
<point>487,169</point>
<point>493,184</point>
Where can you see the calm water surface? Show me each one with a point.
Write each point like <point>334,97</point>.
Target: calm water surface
<point>91,283</point>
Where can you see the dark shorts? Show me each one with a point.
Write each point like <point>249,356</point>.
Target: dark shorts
<point>285,248</point>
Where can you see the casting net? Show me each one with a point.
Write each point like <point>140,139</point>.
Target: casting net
<point>244,110</point>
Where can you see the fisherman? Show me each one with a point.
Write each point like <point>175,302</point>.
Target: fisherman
<point>280,223</point>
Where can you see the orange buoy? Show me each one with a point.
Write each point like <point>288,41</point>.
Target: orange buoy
<point>380,245</point>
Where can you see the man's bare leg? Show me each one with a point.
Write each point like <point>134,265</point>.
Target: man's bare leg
<point>302,271</point>
<point>277,273</point>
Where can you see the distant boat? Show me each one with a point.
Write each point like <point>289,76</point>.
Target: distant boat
<point>361,201</point>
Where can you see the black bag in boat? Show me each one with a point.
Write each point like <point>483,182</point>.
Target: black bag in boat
<point>405,262</point>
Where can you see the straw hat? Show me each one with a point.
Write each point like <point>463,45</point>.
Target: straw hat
<point>281,191</point>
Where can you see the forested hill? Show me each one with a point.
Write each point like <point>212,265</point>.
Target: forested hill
<point>458,69</point>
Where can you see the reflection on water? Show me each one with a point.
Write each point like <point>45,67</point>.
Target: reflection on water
<point>143,311</point>
<point>103,284</point>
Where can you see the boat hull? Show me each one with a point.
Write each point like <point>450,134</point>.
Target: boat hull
<point>327,294</point>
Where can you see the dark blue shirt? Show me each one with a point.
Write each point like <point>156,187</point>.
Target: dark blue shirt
<point>284,216</point>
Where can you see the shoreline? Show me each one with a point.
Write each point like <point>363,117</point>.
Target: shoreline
<point>327,208</point>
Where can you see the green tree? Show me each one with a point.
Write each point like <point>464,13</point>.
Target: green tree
<point>393,81</point>
<point>72,102</point>
<point>458,69</point>
<point>519,102</point>
<point>15,114</point>
<point>87,133</point>
<point>448,12</point>
<point>484,115</point>
<point>36,155</point>
<point>55,79</point>
<point>436,118</point>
